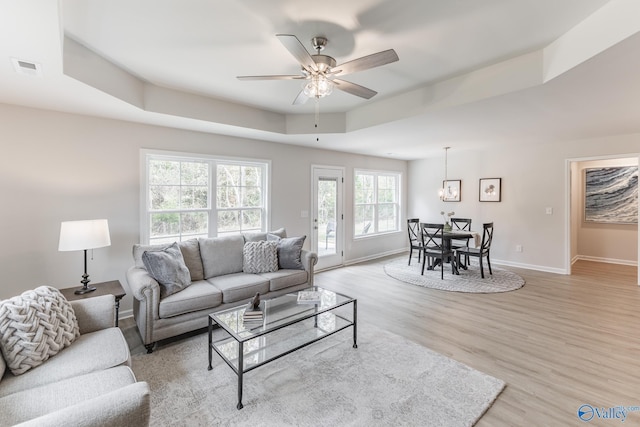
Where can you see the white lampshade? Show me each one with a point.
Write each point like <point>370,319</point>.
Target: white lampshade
<point>80,235</point>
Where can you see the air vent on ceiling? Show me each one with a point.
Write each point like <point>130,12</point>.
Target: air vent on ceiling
<point>27,67</point>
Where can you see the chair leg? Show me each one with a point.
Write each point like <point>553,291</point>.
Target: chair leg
<point>424,261</point>
<point>489,264</point>
<point>410,253</point>
<point>481,269</point>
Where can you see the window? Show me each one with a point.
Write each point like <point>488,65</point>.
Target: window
<point>188,196</point>
<point>377,206</point>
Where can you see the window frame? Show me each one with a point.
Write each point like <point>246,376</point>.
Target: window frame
<point>376,205</point>
<point>146,155</point>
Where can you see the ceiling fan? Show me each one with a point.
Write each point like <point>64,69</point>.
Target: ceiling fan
<point>321,71</point>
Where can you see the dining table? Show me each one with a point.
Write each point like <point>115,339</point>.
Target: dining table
<point>448,235</point>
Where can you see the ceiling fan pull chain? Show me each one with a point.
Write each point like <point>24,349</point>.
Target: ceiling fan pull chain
<point>317,124</point>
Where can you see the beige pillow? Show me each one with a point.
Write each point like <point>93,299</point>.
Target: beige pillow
<point>34,327</point>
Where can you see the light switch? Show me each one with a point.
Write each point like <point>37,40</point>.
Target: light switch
<point>304,214</point>
<point>549,211</point>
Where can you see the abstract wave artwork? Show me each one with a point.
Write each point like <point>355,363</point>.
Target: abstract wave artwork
<point>611,195</point>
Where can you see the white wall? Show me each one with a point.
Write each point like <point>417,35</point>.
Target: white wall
<point>616,243</point>
<point>57,167</point>
<point>533,178</point>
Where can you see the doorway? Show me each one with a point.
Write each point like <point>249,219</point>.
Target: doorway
<point>327,216</point>
<point>600,241</point>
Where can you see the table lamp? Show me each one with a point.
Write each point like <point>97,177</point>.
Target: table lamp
<point>84,235</point>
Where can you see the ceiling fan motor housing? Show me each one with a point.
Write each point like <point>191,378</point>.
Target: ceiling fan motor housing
<point>324,62</point>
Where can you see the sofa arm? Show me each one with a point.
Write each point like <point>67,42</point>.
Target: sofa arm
<point>128,406</point>
<point>146,300</point>
<point>95,313</point>
<point>309,259</point>
<point>141,283</point>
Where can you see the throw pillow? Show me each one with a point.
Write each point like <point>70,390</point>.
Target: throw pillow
<point>289,251</point>
<point>35,326</point>
<point>191,253</point>
<point>168,268</point>
<point>260,257</point>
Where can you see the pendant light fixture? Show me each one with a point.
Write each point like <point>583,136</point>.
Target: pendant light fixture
<point>447,192</point>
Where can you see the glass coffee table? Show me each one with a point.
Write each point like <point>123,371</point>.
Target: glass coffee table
<point>287,326</point>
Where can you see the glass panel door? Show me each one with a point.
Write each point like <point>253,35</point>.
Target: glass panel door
<point>327,216</point>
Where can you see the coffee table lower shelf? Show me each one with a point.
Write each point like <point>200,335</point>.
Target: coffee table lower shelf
<point>269,344</point>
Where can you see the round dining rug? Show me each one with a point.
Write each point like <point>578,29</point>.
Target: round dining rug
<point>468,281</point>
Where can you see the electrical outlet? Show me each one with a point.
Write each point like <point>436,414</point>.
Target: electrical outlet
<point>518,248</point>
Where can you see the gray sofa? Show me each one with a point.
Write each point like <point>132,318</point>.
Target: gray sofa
<point>89,383</point>
<point>218,281</point>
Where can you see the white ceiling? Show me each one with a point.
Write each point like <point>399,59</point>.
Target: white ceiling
<point>471,72</point>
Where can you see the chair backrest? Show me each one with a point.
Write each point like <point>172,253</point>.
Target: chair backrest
<point>331,226</point>
<point>461,223</point>
<point>431,235</point>
<point>413,228</point>
<point>487,236</point>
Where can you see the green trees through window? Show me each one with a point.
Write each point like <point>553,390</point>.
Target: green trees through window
<point>201,197</point>
<point>377,206</point>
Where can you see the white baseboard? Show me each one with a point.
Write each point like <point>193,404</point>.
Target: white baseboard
<point>605,260</point>
<point>125,313</point>
<point>376,256</point>
<point>544,268</point>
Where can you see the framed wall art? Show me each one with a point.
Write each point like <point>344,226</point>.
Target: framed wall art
<point>490,189</point>
<point>611,195</point>
<point>451,190</point>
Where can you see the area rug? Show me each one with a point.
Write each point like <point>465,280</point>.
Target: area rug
<point>387,380</point>
<point>468,281</point>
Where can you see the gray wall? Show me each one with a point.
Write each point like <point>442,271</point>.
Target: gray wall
<point>57,167</point>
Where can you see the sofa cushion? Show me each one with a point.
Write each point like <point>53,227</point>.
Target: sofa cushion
<point>289,251</point>
<point>38,401</point>
<point>138,250</point>
<point>240,286</point>
<point>35,326</point>
<point>199,296</point>
<point>285,278</point>
<point>91,352</point>
<point>258,236</point>
<point>168,268</point>
<point>260,257</point>
<point>191,253</point>
<point>221,255</point>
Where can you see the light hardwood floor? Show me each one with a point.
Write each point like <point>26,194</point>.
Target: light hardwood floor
<point>559,342</point>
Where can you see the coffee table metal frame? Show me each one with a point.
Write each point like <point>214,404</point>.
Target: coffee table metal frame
<point>275,321</point>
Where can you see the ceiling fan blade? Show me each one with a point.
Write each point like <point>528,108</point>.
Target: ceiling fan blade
<point>298,51</point>
<point>354,89</point>
<point>366,62</point>
<point>301,98</point>
<point>273,77</point>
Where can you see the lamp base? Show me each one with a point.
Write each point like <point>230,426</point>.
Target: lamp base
<point>85,290</point>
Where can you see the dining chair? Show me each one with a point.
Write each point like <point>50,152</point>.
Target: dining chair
<point>481,252</point>
<point>463,224</point>
<point>329,232</point>
<point>415,242</point>
<point>433,247</point>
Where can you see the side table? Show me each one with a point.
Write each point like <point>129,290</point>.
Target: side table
<point>112,287</point>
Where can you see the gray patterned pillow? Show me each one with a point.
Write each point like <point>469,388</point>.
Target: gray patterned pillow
<point>168,268</point>
<point>260,257</point>
<point>289,251</point>
<point>34,327</point>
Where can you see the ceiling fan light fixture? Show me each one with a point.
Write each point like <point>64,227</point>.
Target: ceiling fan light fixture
<point>318,87</point>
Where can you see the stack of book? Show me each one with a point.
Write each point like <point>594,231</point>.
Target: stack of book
<point>308,297</point>
<point>252,316</point>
